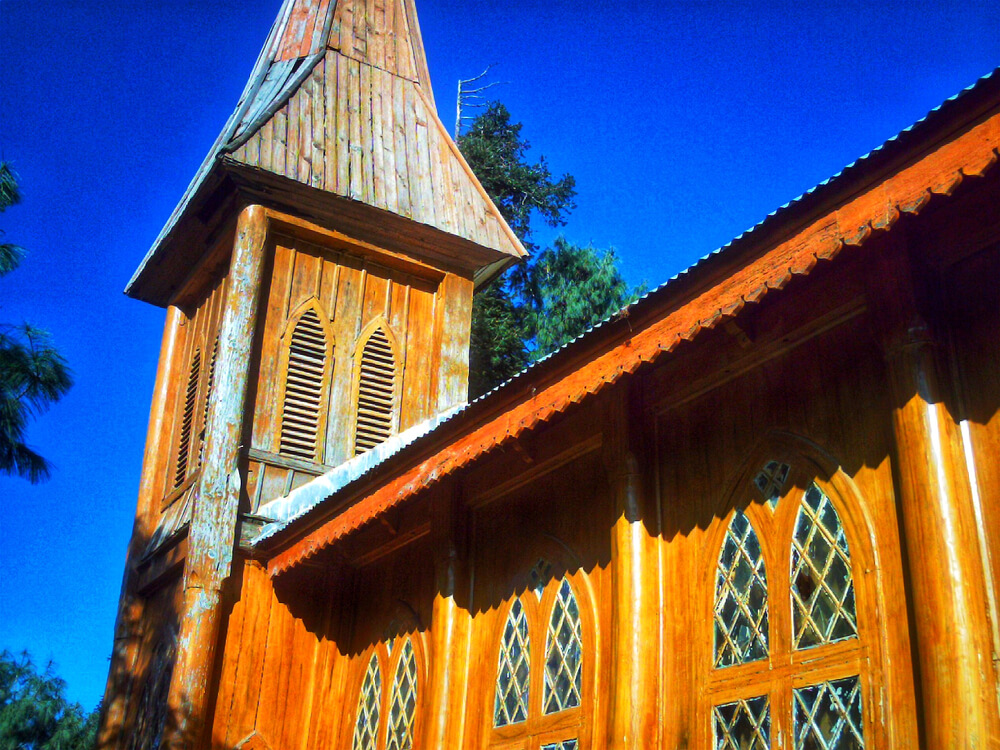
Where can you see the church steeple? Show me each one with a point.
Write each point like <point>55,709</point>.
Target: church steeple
<point>339,116</point>
<point>318,275</point>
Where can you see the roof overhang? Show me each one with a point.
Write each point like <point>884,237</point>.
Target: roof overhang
<point>956,142</point>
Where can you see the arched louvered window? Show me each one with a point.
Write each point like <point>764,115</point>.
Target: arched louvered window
<point>303,409</point>
<point>740,597</point>
<point>403,701</point>
<point>814,682</point>
<point>376,402</point>
<point>369,704</point>
<point>209,388</point>
<point>187,419</point>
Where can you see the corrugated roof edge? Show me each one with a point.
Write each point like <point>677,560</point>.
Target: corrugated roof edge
<point>873,160</point>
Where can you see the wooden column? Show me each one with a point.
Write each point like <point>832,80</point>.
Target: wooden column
<point>942,547</point>
<point>635,616</point>
<point>447,673</point>
<point>130,607</point>
<point>214,526</point>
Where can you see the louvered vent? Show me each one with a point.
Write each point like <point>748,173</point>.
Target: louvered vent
<point>376,393</point>
<point>187,422</point>
<point>300,415</point>
<point>208,397</point>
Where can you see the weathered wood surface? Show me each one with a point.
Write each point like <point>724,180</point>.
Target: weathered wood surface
<point>213,532</point>
<point>361,132</point>
<point>718,299</point>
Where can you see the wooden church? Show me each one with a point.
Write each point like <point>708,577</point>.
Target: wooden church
<point>758,509</point>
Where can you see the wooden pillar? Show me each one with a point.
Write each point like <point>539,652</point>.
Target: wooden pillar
<point>635,616</point>
<point>936,504</point>
<point>127,624</point>
<point>214,525</point>
<point>447,673</point>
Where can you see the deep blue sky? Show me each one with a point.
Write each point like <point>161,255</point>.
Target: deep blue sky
<point>684,124</point>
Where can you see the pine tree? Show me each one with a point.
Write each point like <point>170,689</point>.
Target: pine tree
<point>34,712</point>
<point>33,374</point>
<point>539,305</point>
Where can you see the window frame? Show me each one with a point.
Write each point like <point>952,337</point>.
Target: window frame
<point>284,348</point>
<point>388,664</point>
<point>397,380</point>
<point>785,668</point>
<point>538,728</point>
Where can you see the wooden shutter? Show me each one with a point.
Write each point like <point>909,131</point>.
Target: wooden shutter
<point>187,420</point>
<point>307,365</point>
<point>376,392</point>
<point>210,383</point>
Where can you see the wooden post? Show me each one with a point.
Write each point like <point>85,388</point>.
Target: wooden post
<point>942,547</point>
<point>635,617</point>
<point>447,674</point>
<point>212,537</point>
<point>128,623</point>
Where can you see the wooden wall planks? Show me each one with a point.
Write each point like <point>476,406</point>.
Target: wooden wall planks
<point>351,293</point>
<point>361,132</point>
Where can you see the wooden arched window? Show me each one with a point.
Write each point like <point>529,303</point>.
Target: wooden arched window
<point>543,670</point>
<point>387,710</point>
<point>307,366</point>
<point>376,387</point>
<point>186,433</point>
<point>793,638</point>
<point>209,388</point>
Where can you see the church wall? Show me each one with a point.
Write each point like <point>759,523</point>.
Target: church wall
<point>523,546</point>
<point>823,408</point>
<point>352,296</point>
<point>975,323</point>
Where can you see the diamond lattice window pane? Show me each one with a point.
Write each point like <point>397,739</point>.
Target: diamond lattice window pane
<point>742,725</point>
<point>771,480</point>
<point>563,745</point>
<point>513,672</point>
<point>740,597</point>
<point>403,701</point>
<point>563,654</point>
<point>366,727</point>
<point>828,716</point>
<point>823,609</point>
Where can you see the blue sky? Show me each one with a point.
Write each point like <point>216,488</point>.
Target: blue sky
<point>684,123</point>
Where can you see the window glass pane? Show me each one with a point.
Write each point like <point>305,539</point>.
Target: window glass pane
<point>511,705</point>
<point>742,725</point>
<point>771,480</point>
<point>366,728</point>
<point>740,597</point>
<point>823,608</point>
<point>564,745</point>
<point>828,715</point>
<point>563,654</point>
<point>403,701</point>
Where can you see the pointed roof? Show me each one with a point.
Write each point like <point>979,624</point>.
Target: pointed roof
<point>340,102</point>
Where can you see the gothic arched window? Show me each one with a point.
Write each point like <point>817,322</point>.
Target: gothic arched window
<point>376,388</point>
<point>307,366</point>
<point>386,719</point>
<point>789,656</point>
<point>540,691</point>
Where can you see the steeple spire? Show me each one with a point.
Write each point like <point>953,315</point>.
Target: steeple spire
<point>338,116</point>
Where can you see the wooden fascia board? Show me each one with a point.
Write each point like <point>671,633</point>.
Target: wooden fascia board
<point>459,443</point>
<point>379,226</point>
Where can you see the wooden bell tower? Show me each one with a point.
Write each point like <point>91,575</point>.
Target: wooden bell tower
<point>318,277</point>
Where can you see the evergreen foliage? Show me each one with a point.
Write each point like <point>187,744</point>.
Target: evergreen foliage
<point>34,712</point>
<point>33,374</point>
<point>541,304</point>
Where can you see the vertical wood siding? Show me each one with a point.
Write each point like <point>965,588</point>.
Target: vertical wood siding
<point>362,132</point>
